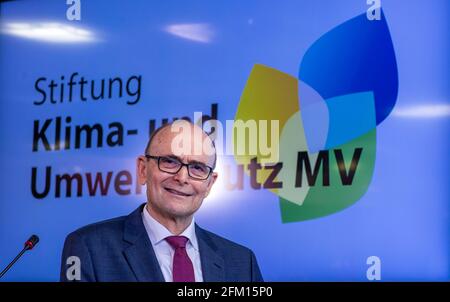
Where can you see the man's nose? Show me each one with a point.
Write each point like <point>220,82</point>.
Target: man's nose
<point>182,175</point>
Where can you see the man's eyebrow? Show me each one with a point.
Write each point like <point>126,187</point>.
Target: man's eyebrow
<point>190,162</point>
<point>197,162</point>
<point>173,157</point>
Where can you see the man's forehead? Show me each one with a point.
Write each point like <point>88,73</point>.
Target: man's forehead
<point>183,144</point>
<point>192,134</point>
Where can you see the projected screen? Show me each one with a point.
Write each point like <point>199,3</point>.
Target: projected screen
<point>351,181</point>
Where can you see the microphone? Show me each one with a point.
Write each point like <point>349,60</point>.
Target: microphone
<point>29,245</point>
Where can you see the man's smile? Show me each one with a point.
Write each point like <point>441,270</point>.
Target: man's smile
<point>177,192</point>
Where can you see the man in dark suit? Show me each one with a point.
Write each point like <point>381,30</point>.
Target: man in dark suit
<point>160,241</point>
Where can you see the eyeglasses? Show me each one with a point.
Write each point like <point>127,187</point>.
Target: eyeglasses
<point>171,165</point>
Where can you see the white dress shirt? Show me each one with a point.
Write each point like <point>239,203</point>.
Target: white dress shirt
<point>164,252</point>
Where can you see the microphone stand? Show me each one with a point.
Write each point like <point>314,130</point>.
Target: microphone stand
<point>14,261</point>
<point>29,244</point>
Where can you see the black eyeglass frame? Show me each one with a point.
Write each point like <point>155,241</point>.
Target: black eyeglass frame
<point>158,159</point>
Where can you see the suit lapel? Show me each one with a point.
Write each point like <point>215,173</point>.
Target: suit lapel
<point>142,259</point>
<point>139,253</point>
<point>213,267</point>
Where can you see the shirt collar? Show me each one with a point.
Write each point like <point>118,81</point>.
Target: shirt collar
<point>157,232</point>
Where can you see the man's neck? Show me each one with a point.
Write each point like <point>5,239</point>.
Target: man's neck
<point>175,225</point>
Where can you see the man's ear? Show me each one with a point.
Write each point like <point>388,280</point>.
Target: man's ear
<point>141,168</point>
<point>212,180</point>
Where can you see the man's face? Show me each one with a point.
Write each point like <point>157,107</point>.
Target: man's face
<point>174,195</point>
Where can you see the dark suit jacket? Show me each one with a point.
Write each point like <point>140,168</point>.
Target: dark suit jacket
<point>120,250</point>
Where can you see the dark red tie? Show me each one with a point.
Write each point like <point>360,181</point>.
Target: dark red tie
<point>182,269</point>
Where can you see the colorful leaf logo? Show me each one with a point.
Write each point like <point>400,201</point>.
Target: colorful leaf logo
<point>347,85</point>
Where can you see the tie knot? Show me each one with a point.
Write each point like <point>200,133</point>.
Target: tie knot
<point>177,241</point>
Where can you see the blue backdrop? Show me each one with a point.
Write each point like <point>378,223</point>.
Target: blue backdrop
<point>177,57</point>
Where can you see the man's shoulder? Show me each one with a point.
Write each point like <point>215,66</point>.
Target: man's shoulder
<point>102,229</point>
<point>222,243</point>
